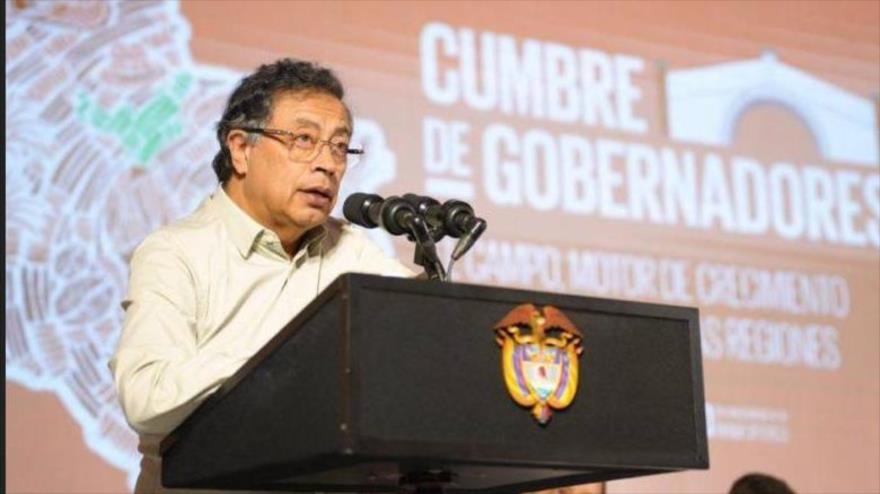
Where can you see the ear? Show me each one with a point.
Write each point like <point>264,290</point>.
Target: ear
<point>239,150</point>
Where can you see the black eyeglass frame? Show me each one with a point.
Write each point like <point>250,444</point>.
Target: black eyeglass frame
<point>275,133</point>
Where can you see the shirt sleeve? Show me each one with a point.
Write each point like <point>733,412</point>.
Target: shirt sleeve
<point>160,373</point>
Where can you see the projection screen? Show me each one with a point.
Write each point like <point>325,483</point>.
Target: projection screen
<point>720,155</point>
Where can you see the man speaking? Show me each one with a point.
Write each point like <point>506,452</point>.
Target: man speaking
<point>208,291</point>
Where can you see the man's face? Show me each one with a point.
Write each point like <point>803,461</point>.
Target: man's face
<point>288,196</point>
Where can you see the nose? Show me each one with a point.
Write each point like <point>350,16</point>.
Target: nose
<point>324,161</point>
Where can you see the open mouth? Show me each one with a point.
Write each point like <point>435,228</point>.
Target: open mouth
<point>318,196</point>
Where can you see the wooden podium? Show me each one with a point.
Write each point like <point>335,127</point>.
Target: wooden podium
<point>388,384</point>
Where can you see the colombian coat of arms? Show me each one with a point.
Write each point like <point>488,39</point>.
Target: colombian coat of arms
<point>539,358</point>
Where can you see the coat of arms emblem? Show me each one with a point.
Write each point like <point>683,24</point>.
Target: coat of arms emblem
<point>539,358</point>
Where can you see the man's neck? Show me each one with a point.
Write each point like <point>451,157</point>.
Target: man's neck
<point>290,237</point>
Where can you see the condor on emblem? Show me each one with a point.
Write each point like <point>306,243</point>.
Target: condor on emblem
<point>539,358</point>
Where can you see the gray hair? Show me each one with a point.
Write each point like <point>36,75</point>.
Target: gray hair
<point>250,105</point>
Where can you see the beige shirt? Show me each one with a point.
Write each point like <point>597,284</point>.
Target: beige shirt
<point>205,294</point>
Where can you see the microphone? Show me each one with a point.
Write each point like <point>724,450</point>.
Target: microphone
<point>423,219</point>
<point>398,216</point>
<point>431,211</point>
<point>454,218</point>
<point>395,215</point>
<point>476,228</point>
<point>362,209</point>
<point>458,218</point>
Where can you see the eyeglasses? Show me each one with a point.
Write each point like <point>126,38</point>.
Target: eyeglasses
<point>305,147</point>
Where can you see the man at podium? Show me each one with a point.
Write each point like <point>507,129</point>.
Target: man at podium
<point>208,291</point>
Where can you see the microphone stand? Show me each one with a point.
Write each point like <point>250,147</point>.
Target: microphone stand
<point>426,250</point>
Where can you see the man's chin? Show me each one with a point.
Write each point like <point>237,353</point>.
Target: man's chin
<point>312,217</point>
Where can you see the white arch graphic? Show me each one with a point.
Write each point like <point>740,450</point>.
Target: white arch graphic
<point>704,105</point>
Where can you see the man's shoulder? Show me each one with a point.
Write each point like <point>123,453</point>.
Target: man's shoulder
<point>351,249</point>
<point>200,229</point>
<point>340,230</point>
<point>344,237</point>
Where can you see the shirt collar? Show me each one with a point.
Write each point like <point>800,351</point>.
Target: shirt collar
<point>245,232</point>
<point>312,239</point>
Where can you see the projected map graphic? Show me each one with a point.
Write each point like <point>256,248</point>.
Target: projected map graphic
<point>109,135</point>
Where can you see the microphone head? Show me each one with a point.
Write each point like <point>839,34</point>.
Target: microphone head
<point>458,216</point>
<point>432,212</point>
<point>356,208</point>
<point>394,209</point>
<point>421,203</point>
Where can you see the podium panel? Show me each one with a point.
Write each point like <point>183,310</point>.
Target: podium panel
<point>381,382</point>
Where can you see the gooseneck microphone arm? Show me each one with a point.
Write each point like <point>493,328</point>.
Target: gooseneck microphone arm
<point>398,216</point>
<point>426,250</point>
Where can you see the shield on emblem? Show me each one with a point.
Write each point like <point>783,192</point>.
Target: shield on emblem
<point>539,358</point>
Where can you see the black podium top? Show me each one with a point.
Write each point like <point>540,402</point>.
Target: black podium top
<point>382,379</point>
